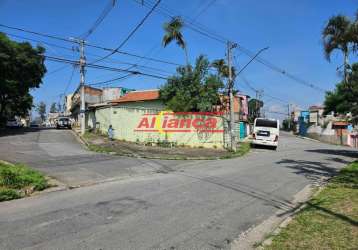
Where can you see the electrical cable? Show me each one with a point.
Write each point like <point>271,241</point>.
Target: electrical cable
<point>131,33</point>
<point>95,66</point>
<point>100,19</point>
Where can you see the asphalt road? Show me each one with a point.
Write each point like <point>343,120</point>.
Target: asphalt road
<point>204,205</point>
<point>58,154</point>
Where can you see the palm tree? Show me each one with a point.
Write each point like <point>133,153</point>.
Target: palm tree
<point>173,32</point>
<point>339,34</point>
<point>222,68</point>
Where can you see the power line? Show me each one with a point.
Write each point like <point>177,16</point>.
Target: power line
<point>92,54</point>
<point>37,33</point>
<point>94,46</point>
<point>111,80</point>
<point>135,55</point>
<point>69,81</point>
<point>203,10</point>
<point>99,20</point>
<point>212,35</point>
<point>280,70</point>
<point>38,41</point>
<point>56,70</point>
<point>132,32</point>
<point>95,66</point>
<point>200,30</point>
<point>188,22</point>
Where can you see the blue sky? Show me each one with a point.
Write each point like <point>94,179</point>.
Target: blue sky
<point>291,28</point>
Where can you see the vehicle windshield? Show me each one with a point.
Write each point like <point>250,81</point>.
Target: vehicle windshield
<point>63,119</point>
<point>266,123</point>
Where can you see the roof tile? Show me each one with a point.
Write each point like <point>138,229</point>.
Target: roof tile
<point>135,96</point>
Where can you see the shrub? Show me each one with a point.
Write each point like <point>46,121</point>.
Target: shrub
<point>19,176</point>
<point>7,194</point>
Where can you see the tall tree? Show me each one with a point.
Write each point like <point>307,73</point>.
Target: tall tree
<point>344,98</point>
<point>340,33</point>
<point>223,69</point>
<point>173,32</point>
<point>192,89</point>
<point>21,69</point>
<point>53,108</point>
<point>254,109</point>
<point>41,109</point>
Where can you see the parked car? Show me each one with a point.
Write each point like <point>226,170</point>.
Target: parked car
<point>266,132</point>
<point>34,125</point>
<point>13,123</point>
<point>63,122</point>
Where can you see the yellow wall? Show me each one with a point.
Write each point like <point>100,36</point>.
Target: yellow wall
<point>125,120</point>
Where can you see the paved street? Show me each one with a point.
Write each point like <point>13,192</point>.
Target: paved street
<point>58,154</point>
<point>165,204</point>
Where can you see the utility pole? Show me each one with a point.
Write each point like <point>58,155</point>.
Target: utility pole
<point>259,94</point>
<point>230,46</point>
<point>288,117</point>
<point>82,85</point>
<point>82,64</point>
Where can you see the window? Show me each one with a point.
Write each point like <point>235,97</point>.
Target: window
<point>266,123</point>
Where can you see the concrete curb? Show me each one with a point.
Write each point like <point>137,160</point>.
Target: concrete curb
<point>257,235</point>
<point>80,139</point>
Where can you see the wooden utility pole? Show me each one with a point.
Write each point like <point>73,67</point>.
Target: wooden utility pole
<point>230,46</point>
<point>82,85</point>
<point>82,64</point>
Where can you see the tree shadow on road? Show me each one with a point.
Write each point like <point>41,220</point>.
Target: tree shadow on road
<point>312,170</point>
<point>338,160</point>
<point>340,152</point>
<point>269,198</point>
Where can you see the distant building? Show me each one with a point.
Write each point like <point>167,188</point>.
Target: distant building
<point>52,119</point>
<point>68,105</point>
<point>113,93</point>
<point>93,97</point>
<point>316,115</point>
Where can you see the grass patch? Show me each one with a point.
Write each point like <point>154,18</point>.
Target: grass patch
<point>100,149</point>
<point>16,179</point>
<point>244,148</point>
<point>330,219</point>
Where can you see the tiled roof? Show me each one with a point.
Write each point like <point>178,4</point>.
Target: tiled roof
<point>136,96</point>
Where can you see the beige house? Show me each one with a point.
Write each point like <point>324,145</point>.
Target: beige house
<point>139,116</point>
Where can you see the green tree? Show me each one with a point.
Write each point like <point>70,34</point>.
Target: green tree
<point>340,33</point>
<point>173,32</point>
<point>53,108</point>
<point>254,109</point>
<point>192,89</point>
<point>344,98</point>
<point>223,69</point>
<point>41,109</point>
<point>21,69</point>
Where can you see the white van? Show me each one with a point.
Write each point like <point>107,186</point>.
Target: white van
<point>266,132</point>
